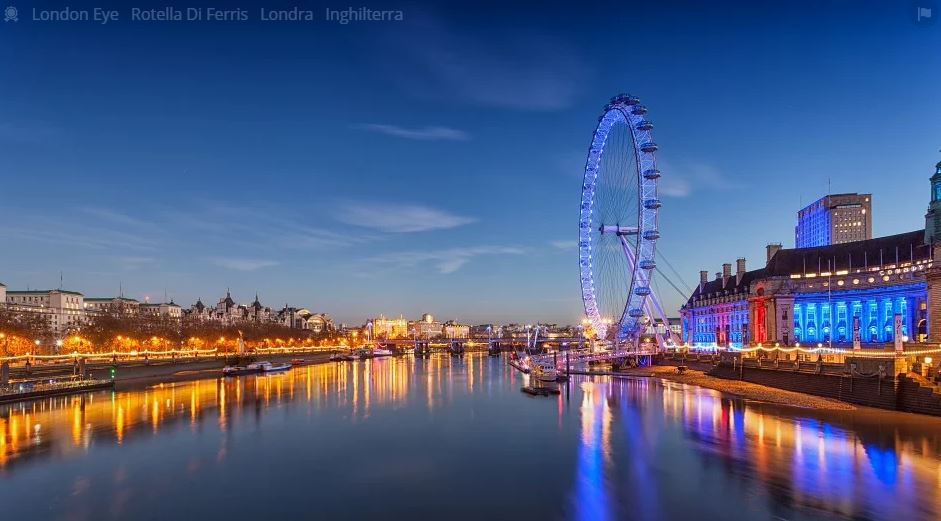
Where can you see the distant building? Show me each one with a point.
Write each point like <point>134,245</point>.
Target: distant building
<point>64,309</point>
<point>834,219</point>
<point>3,294</point>
<point>452,329</point>
<point>483,331</point>
<point>163,309</point>
<point>390,328</point>
<point>101,305</point>
<point>319,323</point>
<point>426,328</point>
<point>673,325</point>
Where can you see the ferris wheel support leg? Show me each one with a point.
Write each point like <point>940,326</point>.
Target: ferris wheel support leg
<point>651,304</point>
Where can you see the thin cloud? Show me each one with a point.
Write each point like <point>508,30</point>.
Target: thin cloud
<point>445,261</point>
<point>516,69</point>
<point>394,218</point>
<point>243,264</point>
<point>564,245</point>
<point>685,179</point>
<point>432,133</point>
<point>675,186</point>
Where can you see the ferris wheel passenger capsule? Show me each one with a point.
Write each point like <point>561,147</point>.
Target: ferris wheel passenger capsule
<point>652,204</point>
<point>649,147</point>
<point>639,110</point>
<point>644,125</point>
<point>651,235</point>
<point>651,173</point>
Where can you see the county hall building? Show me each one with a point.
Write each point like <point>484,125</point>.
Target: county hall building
<point>824,293</point>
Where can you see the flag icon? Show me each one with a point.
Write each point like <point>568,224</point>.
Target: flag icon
<point>924,12</point>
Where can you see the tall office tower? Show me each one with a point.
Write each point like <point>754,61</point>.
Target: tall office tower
<point>834,219</point>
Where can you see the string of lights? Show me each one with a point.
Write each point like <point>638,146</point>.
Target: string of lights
<point>110,354</point>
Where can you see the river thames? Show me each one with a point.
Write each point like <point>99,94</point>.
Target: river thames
<point>453,437</point>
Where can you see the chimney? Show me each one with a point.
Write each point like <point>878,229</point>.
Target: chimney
<point>739,269</point>
<point>718,275</point>
<point>703,278</point>
<point>726,270</point>
<point>772,249</point>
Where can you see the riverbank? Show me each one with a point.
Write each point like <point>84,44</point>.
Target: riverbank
<point>136,374</point>
<point>746,390</point>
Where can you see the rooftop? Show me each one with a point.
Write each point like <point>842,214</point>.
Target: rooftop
<point>43,292</point>
<point>902,247</point>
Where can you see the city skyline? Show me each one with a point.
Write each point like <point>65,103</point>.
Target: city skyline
<point>372,175</point>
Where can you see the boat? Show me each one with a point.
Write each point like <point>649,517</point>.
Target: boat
<point>381,352</point>
<point>544,372</point>
<point>236,370</point>
<point>298,361</point>
<point>268,367</point>
<point>519,364</point>
<point>252,368</point>
<point>344,357</point>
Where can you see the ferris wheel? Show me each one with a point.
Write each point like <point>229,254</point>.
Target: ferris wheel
<point>618,224</point>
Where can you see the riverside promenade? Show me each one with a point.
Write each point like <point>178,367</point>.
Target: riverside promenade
<point>42,380</point>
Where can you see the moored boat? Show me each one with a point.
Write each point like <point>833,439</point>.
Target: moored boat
<point>268,367</point>
<point>236,370</point>
<point>544,372</point>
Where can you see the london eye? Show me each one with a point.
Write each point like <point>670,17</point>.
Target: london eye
<point>618,223</point>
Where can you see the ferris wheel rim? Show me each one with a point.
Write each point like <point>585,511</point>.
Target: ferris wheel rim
<point>625,110</point>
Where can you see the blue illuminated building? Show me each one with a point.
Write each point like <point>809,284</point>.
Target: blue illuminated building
<point>822,294</point>
<point>834,219</point>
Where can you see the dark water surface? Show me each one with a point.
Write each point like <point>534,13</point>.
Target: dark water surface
<point>453,438</point>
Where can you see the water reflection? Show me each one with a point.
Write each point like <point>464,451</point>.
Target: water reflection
<point>868,464</point>
<point>64,426</point>
<point>604,449</point>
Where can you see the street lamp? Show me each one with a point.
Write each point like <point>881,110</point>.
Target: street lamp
<point>58,345</point>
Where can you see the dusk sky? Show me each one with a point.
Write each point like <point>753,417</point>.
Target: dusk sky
<point>434,164</point>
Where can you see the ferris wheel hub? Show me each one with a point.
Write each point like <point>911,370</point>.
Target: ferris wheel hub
<point>618,230</point>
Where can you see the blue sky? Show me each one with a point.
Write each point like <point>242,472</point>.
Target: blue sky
<point>434,164</point>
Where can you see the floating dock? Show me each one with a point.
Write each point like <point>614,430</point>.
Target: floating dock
<point>31,391</point>
<point>539,391</point>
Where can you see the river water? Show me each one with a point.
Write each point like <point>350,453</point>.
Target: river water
<point>454,438</point>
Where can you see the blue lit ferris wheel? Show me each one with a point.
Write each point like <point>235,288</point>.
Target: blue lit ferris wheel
<point>618,223</point>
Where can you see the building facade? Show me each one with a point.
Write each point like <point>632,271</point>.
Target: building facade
<point>163,309</point>
<point>101,305</point>
<point>831,293</point>
<point>65,310</point>
<point>426,328</point>
<point>389,328</point>
<point>453,329</point>
<point>816,295</point>
<point>834,219</point>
